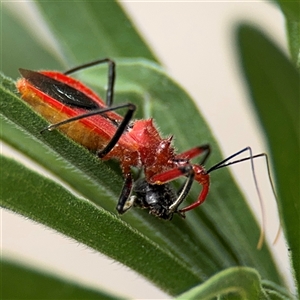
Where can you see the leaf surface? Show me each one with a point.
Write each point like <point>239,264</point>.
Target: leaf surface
<point>273,82</point>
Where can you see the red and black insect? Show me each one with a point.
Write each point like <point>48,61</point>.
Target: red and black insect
<point>85,118</point>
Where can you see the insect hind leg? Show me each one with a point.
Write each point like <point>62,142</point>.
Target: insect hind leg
<point>111,76</point>
<point>120,130</point>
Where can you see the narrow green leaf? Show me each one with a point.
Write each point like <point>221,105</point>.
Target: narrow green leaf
<point>234,283</point>
<point>20,282</point>
<point>96,19</point>
<point>276,292</point>
<point>274,85</point>
<point>80,31</point>
<point>291,11</point>
<point>89,224</point>
<point>23,50</point>
<point>293,29</point>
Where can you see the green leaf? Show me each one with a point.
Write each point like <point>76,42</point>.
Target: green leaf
<point>291,10</point>
<point>274,291</point>
<point>234,283</point>
<point>293,29</point>
<point>22,50</point>
<point>89,224</point>
<point>96,19</point>
<point>20,282</point>
<point>274,85</point>
<point>240,283</point>
<point>69,40</point>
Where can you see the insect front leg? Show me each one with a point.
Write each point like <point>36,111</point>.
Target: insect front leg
<point>125,202</point>
<point>194,172</point>
<point>185,170</point>
<point>183,191</point>
<point>194,152</point>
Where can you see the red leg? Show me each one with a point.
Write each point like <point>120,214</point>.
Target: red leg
<point>199,175</point>
<point>181,169</point>
<point>172,174</point>
<point>168,175</point>
<point>194,152</point>
<point>200,200</point>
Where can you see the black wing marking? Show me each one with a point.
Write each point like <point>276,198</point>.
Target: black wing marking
<point>59,91</point>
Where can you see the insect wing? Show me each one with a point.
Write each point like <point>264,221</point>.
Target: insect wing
<point>58,97</point>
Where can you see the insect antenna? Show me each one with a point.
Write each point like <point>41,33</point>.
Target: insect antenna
<point>226,162</point>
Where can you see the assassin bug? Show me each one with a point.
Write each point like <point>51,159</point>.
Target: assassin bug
<point>85,118</point>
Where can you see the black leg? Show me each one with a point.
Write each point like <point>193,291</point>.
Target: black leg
<point>123,199</point>
<point>111,76</point>
<point>206,149</point>
<point>120,130</point>
<point>122,127</point>
<point>127,118</point>
<point>226,162</point>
